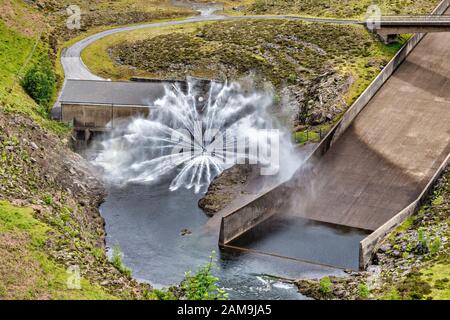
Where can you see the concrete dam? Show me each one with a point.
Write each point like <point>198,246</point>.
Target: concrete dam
<point>378,163</point>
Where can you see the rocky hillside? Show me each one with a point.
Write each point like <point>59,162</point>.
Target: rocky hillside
<point>335,8</point>
<point>102,13</point>
<point>61,226</point>
<point>49,196</point>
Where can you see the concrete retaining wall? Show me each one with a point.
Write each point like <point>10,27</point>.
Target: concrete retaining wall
<point>368,245</point>
<point>258,210</point>
<point>371,243</point>
<point>384,75</point>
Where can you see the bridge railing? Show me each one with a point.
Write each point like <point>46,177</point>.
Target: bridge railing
<point>409,19</point>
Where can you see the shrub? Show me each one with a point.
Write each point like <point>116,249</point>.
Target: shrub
<point>363,291</point>
<point>39,82</point>
<point>413,287</point>
<point>325,285</point>
<point>158,294</point>
<point>422,242</point>
<point>117,261</point>
<point>438,200</point>
<point>392,294</point>
<point>203,285</point>
<point>435,246</point>
<point>48,200</point>
<point>292,78</point>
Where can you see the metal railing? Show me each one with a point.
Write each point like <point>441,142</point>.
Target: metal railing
<point>423,20</point>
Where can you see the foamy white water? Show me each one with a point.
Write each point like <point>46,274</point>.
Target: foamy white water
<point>195,137</point>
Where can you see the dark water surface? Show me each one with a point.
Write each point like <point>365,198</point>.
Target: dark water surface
<point>146,222</point>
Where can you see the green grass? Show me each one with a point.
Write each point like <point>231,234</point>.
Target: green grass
<point>340,9</point>
<point>117,261</point>
<point>96,56</point>
<point>364,75</point>
<point>27,272</point>
<point>438,276</point>
<point>306,136</point>
<point>17,55</point>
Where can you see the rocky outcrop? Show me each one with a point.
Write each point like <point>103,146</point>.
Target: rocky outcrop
<point>318,100</point>
<point>39,170</point>
<point>226,187</point>
<point>323,98</point>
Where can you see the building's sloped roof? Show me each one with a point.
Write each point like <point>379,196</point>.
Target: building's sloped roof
<point>113,92</point>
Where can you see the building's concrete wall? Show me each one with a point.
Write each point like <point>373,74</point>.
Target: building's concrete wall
<point>121,112</point>
<point>98,117</point>
<point>87,116</point>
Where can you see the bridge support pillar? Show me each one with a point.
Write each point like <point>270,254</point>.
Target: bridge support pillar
<point>387,38</point>
<point>87,134</point>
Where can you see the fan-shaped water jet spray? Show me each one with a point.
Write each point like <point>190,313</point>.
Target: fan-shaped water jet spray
<point>194,136</point>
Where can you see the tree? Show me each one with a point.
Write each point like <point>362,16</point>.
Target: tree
<point>39,82</point>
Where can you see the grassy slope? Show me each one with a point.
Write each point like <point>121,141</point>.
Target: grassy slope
<point>352,49</point>
<point>340,9</point>
<point>18,52</point>
<point>108,14</point>
<point>36,276</point>
<point>97,58</point>
<point>325,8</point>
<point>432,279</point>
<point>27,270</point>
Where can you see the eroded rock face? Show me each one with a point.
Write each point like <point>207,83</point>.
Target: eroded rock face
<point>318,100</point>
<point>226,187</point>
<point>39,170</point>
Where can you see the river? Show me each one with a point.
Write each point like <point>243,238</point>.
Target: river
<point>146,222</point>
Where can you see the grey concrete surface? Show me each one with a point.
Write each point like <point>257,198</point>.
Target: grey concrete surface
<point>113,92</point>
<point>388,154</point>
